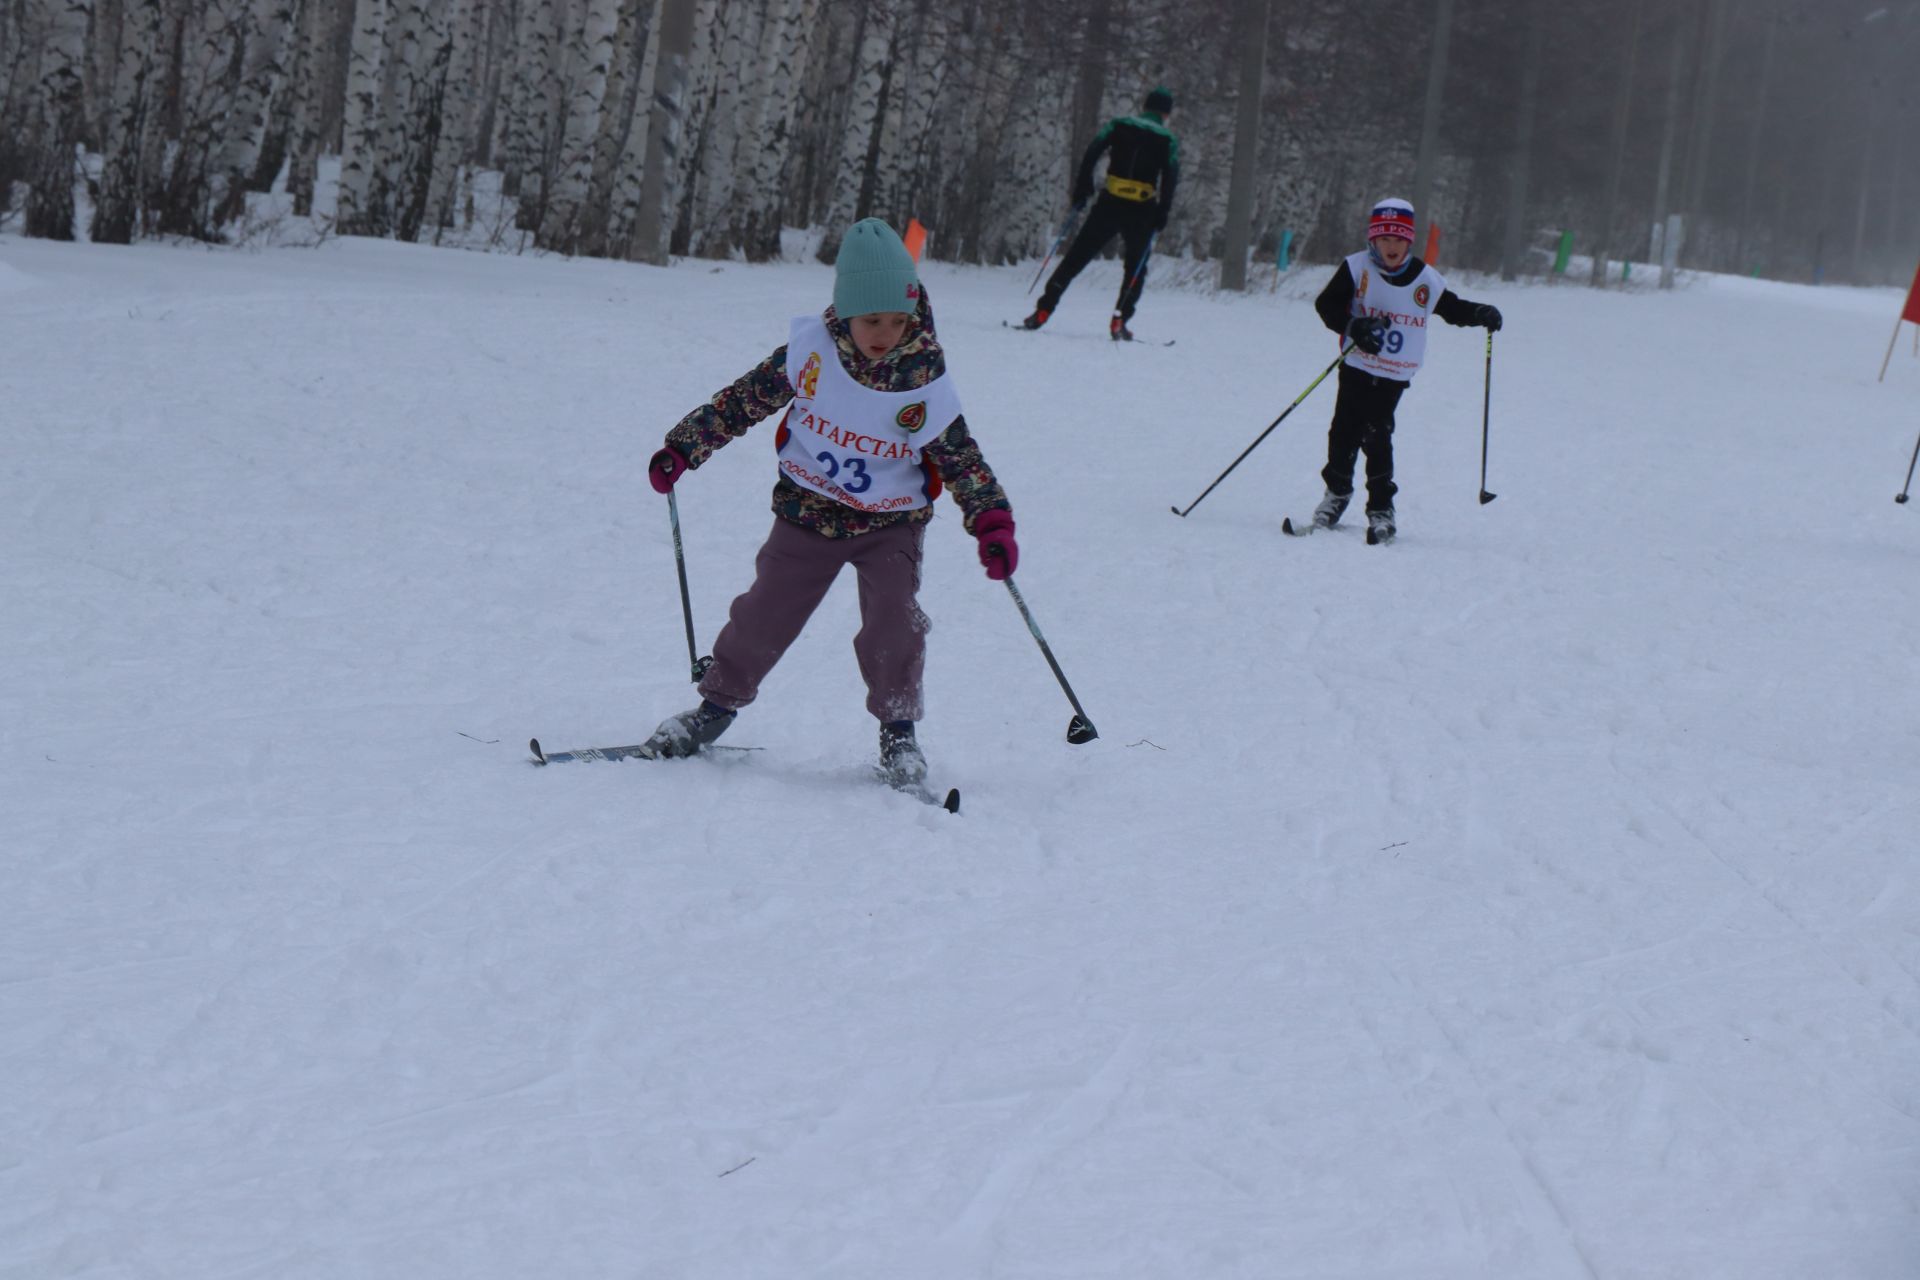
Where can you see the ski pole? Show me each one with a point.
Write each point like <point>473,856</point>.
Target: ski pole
<point>699,663</point>
<point>1486,408</point>
<point>1269,431</point>
<point>1080,730</point>
<point>1067,226</point>
<point>1140,272</point>
<point>1902,495</point>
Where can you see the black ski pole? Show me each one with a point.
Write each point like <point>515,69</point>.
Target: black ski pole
<point>1269,431</point>
<point>1067,225</point>
<point>1902,495</point>
<point>700,664</point>
<point>1486,410</point>
<point>1080,730</point>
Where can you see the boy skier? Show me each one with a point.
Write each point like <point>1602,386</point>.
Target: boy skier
<point>1143,168</point>
<point>1381,299</point>
<point>871,433</point>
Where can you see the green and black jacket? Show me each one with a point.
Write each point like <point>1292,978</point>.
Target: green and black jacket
<point>1138,148</point>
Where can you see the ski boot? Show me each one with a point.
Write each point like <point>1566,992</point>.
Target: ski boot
<point>1379,525</point>
<point>902,766</point>
<point>1038,318</point>
<point>1332,507</point>
<point>1117,329</point>
<point>686,733</point>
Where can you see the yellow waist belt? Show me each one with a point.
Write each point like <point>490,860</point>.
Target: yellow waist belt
<point>1129,189</point>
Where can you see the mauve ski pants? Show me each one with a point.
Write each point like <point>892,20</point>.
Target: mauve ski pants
<point>791,576</point>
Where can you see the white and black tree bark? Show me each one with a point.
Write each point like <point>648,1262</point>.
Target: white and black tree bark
<point>853,178</point>
<point>664,132</point>
<point>364,208</point>
<point>592,57</point>
<point>62,123</point>
<point>116,214</point>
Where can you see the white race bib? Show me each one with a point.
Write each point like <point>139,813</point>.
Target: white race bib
<point>858,446</point>
<point>1408,307</point>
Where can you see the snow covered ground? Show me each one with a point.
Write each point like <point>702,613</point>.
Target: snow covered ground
<point>1532,898</point>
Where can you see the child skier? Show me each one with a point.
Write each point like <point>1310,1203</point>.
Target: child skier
<point>1381,299</point>
<point>872,432</point>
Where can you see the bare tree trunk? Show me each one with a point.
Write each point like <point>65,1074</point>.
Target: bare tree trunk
<point>785,46</point>
<point>853,178</point>
<point>1617,151</point>
<point>629,178</point>
<point>312,64</point>
<point>703,66</point>
<point>531,158</point>
<point>1511,245</point>
<point>420,114</point>
<point>122,185</point>
<point>1428,157</point>
<point>460,110</point>
<point>593,56</point>
<point>363,200</point>
<point>663,132</point>
<point>62,119</point>
<point>1754,136</point>
<point>616,126</point>
<point>1090,87</point>
<point>1246,142</point>
<point>1676,82</point>
<point>245,125</point>
<point>733,104</point>
<point>1699,150</point>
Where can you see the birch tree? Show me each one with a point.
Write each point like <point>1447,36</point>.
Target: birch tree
<point>663,132</point>
<point>629,171</point>
<point>853,178</point>
<point>363,198</point>
<point>617,119</point>
<point>785,52</point>
<point>730,99</point>
<point>460,110</point>
<point>269,24</point>
<point>593,55</point>
<point>702,73</point>
<point>312,64</point>
<point>62,119</point>
<point>122,188</point>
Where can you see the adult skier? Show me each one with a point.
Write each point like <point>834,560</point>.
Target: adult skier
<point>1143,170</point>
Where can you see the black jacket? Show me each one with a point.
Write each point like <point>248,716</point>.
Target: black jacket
<point>1137,147</point>
<point>1335,303</point>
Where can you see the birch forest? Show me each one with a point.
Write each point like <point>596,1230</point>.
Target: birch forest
<point>1781,131</point>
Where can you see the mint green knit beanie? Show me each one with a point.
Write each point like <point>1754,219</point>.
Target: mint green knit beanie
<point>873,272</point>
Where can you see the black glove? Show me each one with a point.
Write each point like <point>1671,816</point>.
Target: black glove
<point>1488,317</point>
<point>1081,195</point>
<point>1369,333</point>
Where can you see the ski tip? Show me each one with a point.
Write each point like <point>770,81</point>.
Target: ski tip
<point>1286,525</point>
<point>952,803</point>
<point>539,756</point>
<point>1373,539</point>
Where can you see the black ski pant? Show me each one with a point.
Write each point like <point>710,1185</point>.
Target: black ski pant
<point>1363,421</point>
<point>1133,221</point>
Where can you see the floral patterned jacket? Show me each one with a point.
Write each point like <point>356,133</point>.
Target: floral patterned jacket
<point>764,391</point>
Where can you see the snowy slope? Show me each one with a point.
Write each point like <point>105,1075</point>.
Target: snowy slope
<point>1531,898</point>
